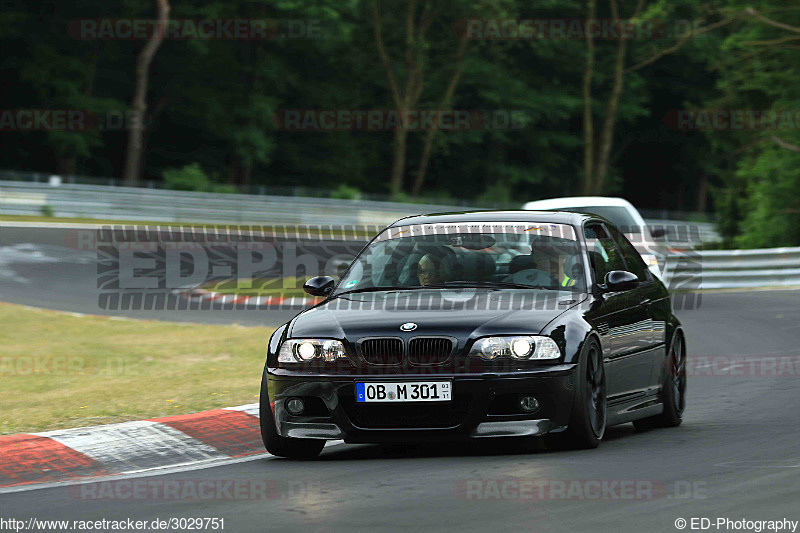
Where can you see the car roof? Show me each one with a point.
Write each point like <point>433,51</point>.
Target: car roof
<point>578,201</point>
<point>522,215</point>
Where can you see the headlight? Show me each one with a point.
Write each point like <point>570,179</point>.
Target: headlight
<point>303,350</point>
<point>521,348</point>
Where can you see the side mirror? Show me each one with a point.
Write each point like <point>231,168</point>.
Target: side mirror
<point>319,286</point>
<point>620,280</point>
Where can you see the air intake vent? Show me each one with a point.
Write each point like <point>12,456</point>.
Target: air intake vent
<point>388,351</point>
<point>429,350</point>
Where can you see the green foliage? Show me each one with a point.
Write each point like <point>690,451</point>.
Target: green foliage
<point>189,178</point>
<point>758,202</point>
<point>772,208</point>
<point>346,192</point>
<point>729,218</point>
<point>225,188</point>
<point>212,104</point>
<point>496,193</point>
<point>48,211</point>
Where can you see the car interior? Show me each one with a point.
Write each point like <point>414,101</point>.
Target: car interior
<point>539,261</point>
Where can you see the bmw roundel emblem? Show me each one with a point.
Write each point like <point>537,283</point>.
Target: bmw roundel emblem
<point>408,326</point>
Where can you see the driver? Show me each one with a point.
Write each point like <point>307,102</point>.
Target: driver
<point>428,270</point>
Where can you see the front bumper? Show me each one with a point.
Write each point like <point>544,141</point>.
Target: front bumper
<point>482,405</point>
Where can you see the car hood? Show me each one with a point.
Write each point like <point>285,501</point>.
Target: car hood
<point>462,314</point>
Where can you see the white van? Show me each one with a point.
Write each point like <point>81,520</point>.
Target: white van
<point>623,215</point>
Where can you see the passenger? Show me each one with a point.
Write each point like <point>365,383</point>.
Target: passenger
<point>566,280</point>
<point>557,258</point>
<point>428,270</point>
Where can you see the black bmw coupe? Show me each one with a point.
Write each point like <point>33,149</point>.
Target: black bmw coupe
<point>473,325</point>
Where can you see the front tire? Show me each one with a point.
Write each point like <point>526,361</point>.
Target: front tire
<point>673,390</point>
<point>276,444</point>
<point>587,423</point>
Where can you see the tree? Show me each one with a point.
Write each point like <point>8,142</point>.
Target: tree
<point>598,144</point>
<point>139,105</point>
<point>759,73</point>
<point>406,95</point>
<point>45,68</point>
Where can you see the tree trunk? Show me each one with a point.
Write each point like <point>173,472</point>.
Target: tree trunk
<point>702,193</point>
<point>445,104</point>
<point>408,97</point>
<point>139,105</point>
<point>607,133</point>
<point>247,173</point>
<point>233,171</point>
<point>65,166</point>
<point>398,161</point>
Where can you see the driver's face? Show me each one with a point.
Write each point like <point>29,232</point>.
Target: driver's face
<point>426,272</point>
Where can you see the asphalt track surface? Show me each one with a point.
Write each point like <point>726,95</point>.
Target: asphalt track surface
<point>735,456</point>
<point>49,267</point>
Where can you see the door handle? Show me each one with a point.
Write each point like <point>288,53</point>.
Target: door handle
<point>645,303</point>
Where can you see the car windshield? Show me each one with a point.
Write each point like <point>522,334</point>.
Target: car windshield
<point>619,216</point>
<point>520,255</point>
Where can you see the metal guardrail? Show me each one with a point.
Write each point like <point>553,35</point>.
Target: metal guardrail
<point>259,189</point>
<point>726,269</point>
<point>680,231</point>
<point>168,206</point>
<point>159,205</point>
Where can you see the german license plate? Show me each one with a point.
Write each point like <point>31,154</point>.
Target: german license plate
<point>409,391</point>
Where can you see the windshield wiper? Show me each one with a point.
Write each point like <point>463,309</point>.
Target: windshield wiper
<point>495,285</point>
<point>378,289</point>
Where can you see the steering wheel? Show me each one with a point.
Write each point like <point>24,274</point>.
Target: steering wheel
<point>533,276</point>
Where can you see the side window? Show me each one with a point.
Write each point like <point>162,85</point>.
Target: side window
<point>603,252</point>
<point>632,257</point>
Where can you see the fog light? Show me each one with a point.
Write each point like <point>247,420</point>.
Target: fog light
<point>529,404</point>
<point>295,406</point>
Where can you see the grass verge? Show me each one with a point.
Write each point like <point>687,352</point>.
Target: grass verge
<point>59,370</point>
<point>287,287</point>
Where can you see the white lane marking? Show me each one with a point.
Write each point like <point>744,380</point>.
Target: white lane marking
<point>765,463</point>
<point>152,472</point>
<point>51,225</point>
<point>132,445</point>
<point>221,229</point>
